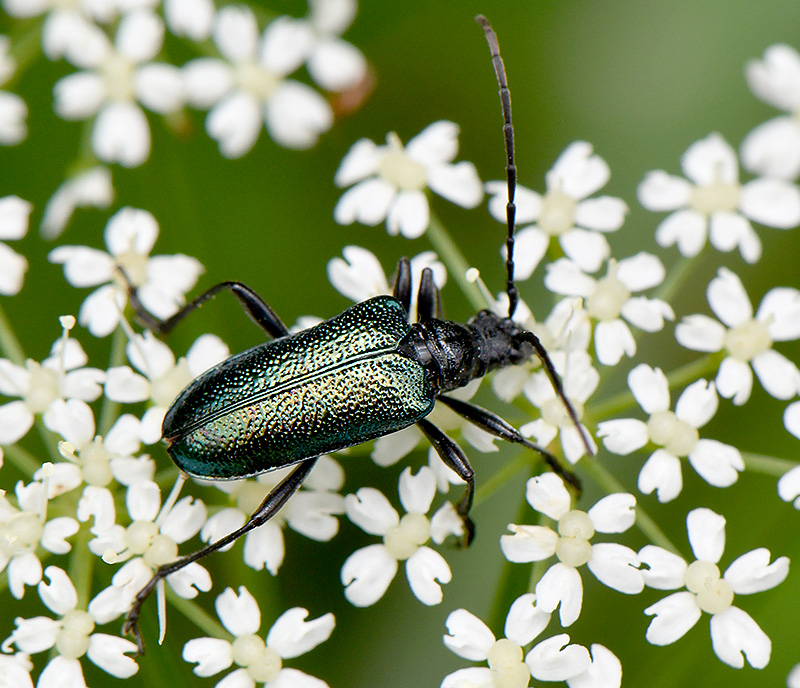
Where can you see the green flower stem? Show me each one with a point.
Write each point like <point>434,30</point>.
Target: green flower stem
<point>25,47</point>
<point>676,276</point>
<point>81,566</point>
<point>199,616</point>
<point>644,522</point>
<point>9,344</point>
<point>109,412</point>
<point>502,476</point>
<point>22,459</point>
<point>767,465</point>
<point>611,406</point>
<point>456,264</point>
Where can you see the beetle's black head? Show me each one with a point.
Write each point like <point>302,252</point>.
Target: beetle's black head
<point>502,342</point>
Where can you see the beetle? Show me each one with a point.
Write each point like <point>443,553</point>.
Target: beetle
<point>362,374</point>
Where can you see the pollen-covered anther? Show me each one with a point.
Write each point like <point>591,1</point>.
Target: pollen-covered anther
<point>609,295</point>
<point>404,539</point>
<point>505,662</point>
<point>715,197</point>
<point>262,663</point>
<point>748,340</point>
<point>576,530</point>
<point>400,170</point>
<point>714,593</point>
<point>675,435</point>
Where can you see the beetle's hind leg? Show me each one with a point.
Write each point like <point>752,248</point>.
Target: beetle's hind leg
<point>272,503</point>
<point>258,310</point>
<point>495,425</point>
<point>454,457</point>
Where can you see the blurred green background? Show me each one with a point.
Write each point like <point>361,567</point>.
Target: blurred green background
<point>641,81</point>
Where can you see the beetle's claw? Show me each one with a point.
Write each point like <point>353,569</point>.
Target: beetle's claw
<point>131,627</point>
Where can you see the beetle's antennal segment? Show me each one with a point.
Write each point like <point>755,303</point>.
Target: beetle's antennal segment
<point>511,167</point>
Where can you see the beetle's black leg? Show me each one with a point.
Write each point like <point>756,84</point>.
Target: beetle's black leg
<point>454,457</point>
<point>402,283</point>
<point>253,304</point>
<point>429,301</point>
<point>272,503</point>
<point>495,425</point>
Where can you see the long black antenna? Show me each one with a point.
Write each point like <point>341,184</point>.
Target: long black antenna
<point>511,168</point>
<point>511,212</point>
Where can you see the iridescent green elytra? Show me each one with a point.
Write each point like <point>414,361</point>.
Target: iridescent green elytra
<point>332,386</point>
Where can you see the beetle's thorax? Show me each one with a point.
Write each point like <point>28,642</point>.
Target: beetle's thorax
<point>454,354</point>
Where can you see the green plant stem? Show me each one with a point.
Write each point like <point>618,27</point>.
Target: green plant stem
<point>456,264</point>
<point>644,522</point>
<point>199,616</point>
<point>109,412</point>
<point>9,344</point>
<point>22,459</point>
<point>767,465</point>
<point>81,566</point>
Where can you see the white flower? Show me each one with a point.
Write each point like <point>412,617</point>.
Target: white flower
<point>161,281</point>
<point>333,64</point>
<point>612,564</point>
<point>14,214</point>
<point>248,88</point>
<point>311,512</point>
<point>610,300</point>
<point>94,459</point>
<point>258,661</point>
<point>162,378</point>
<point>13,110</point>
<point>67,24</point>
<point>567,328</point>
<point>89,188</point>
<point>151,540</point>
<point>674,433</point>
<point>117,78</point>
<point>367,572</point>
<point>71,636</point>
<point>23,529</point>
<point>359,275</point>
<point>713,202</point>
<point>733,631</point>
<point>41,385</point>
<point>390,180</point>
<point>552,659</point>
<point>15,670</point>
<point>579,380</point>
<point>564,211</point>
<point>746,340</point>
<point>191,18</point>
<point>773,148</point>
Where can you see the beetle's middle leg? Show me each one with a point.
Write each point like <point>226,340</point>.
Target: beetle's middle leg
<point>258,309</point>
<point>495,425</point>
<point>272,503</point>
<point>454,457</point>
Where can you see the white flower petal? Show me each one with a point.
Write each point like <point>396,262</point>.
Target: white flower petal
<point>771,202</point>
<point>109,653</point>
<point>296,115</point>
<point>778,375</point>
<point>752,572</point>
<point>417,491</point>
<point>554,660</point>
<point>773,149</point>
<point>675,615</point>
<point>212,655</point>
<point>367,202</point>
<point>235,123</point>
<point>660,191</point>
<point>336,65</point>
<point>604,672</point>
<point>710,160</point>
<point>159,87</point>
<point>435,144</point>
<point>776,78</point>
<point>780,312</point>
<point>578,172</point>
<point>700,333</point>
<point>614,513</point>
<point>612,340</point>
<point>650,388</point>
<point>239,613</point>
<point>121,134</point>
<point>469,637</point>
<point>686,228</point>
<point>647,314</point>
<point>617,567</point>
<point>366,574</point>
<point>706,534</point>
<point>734,380</point>
<point>734,636</point>
<point>525,620</point>
<point>717,463</point>
<point>728,298</point>
<point>623,436</point>
<point>662,473</point>
<point>528,543</point>
<point>408,215</point>
<point>661,569</point>
<point>236,33</point>
<point>458,183</point>
<point>589,250</point>
<point>371,511</point>
<point>789,482</point>
<point>291,635</point>
<point>697,403</point>
<point>548,495</point>
<point>561,585</point>
<point>424,568</point>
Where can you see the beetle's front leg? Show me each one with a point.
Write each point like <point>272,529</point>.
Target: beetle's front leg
<point>258,309</point>
<point>455,458</point>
